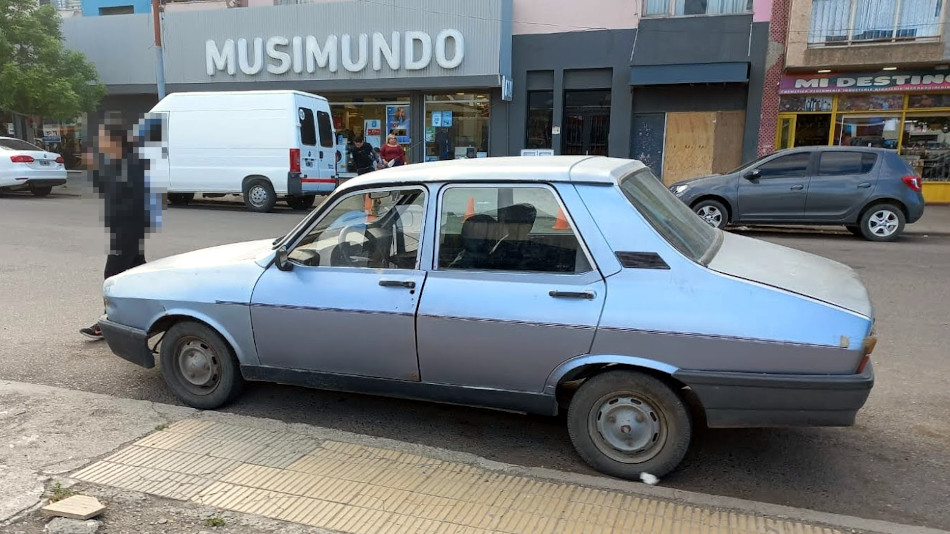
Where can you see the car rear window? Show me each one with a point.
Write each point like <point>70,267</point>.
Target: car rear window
<point>843,163</point>
<point>16,144</point>
<point>326,129</point>
<point>308,128</point>
<point>669,216</point>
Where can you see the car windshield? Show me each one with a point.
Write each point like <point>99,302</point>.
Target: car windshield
<point>16,144</point>
<point>669,216</point>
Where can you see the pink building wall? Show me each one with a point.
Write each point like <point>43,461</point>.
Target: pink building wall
<point>546,16</point>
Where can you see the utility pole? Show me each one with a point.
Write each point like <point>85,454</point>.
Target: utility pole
<point>159,56</point>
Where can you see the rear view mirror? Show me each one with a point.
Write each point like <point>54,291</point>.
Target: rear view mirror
<point>754,174</point>
<point>282,261</point>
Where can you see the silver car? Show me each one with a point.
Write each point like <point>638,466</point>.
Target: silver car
<point>529,284</point>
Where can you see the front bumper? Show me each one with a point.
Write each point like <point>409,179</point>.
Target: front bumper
<point>734,400</point>
<point>128,343</point>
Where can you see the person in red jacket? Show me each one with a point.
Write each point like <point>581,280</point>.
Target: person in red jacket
<point>392,152</point>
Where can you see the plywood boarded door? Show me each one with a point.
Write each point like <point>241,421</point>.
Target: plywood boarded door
<point>690,138</point>
<point>727,154</point>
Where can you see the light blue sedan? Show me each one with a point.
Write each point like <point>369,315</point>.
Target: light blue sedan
<point>529,284</point>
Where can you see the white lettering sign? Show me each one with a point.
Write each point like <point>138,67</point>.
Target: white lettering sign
<point>279,54</point>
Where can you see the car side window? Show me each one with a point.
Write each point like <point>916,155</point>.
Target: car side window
<point>790,166</point>
<point>507,229</point>
<point>326,129</point>
<point>378,229</point>
<point>838,163</point>
<point>308,127</point>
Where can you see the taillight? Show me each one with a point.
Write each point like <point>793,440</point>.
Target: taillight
<point>22,159</point>
<point>294,160</point>
<point>60,160</point>
<point>912,181</point>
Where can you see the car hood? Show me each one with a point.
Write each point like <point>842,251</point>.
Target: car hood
<point>211,257</point>
<point>792,270</point>
<point>699,179</point>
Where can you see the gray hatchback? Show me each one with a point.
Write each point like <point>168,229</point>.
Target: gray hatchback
<point>871,191</point>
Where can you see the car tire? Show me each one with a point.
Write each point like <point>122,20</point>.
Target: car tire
<point>606,406</point>
<point>199,366</point>
<point>882,222</point>
<point>304,202</point>
<point>41,191</point>
<point>180,199</point>
<point>259,195</point>
<point>713,212</point>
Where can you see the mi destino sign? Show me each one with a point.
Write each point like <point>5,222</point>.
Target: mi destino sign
<point>448,42</point>
<point>411,51</point>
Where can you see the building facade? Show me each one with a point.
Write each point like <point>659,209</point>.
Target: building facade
<point>676,83</point>
<point>868,73</point>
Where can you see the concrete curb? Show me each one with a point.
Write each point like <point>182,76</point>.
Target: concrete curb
<point>171,413</point>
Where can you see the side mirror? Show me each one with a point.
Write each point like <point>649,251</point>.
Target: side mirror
<point>282,261</point>
<point>754,174</point>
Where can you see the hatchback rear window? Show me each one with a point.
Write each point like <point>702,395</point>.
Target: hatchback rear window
<point>308,128</point>
<point>844,163</point>
<point>326,130</point>
<point>16,144</point>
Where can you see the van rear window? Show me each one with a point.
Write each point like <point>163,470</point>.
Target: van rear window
<point>308,128</point>
<point>326,130</point>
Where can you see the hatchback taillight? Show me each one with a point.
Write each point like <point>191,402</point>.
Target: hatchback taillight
<point>60,160</point>
<point>294,160</point>
<point>912,181</point>
<point>22,159</point>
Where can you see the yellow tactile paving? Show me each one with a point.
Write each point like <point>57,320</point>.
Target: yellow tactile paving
<point>358,489</point>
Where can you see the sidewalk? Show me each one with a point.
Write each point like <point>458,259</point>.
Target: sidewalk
<point>246,474</point>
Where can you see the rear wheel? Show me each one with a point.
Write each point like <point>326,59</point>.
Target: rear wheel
<point>625,423</point>
<point>199,366</point>
<point>304,202</point>
<point>882,222</point>
<point>41,191</point>
<point>259,195</point>
<point>180,199</point>
<point>713,212</point>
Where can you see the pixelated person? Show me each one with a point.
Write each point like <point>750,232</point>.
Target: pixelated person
<point>119,176</point>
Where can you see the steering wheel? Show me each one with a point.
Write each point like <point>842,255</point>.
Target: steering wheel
<point>346,249</point>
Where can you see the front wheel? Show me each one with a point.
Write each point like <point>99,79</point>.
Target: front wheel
<point>883,222</point>
<point>259,196</point>
<point>41,191</point>
<point>625,423</point>
<point>304,202</point>
<point>713,212</point>
<point>199,366</point>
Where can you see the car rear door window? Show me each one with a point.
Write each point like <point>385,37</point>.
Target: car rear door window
<point>838,163</point>
<point>326,129</point>
<point>308,128</point>
<point>16,144</point>
<point>790,166</point>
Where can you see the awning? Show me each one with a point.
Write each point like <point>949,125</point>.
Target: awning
<point>689,73</point>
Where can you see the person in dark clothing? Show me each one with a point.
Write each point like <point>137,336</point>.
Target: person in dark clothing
<point>364,157</point>
<point>119,175</point>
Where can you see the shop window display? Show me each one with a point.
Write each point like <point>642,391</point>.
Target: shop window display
<point>870,102</point>
<point>456,126</point>
<point>881,131</point>
<point>367,117</point>
<point>926,146</point>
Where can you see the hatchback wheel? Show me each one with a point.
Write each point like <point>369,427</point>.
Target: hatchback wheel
<point>41,191</point>
<point>882,222</point>
<point>259,195</point>
<point>199,366</point>
<point>713,212</point>
<point>625,423</point>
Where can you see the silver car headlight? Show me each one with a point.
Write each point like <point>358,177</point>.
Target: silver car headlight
<point>679,189</point>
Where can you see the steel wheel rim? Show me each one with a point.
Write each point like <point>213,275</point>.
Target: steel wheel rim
<point>711,214</point>
<point>883,223</point>
<point>627,428</point>
<point>257,195</point>
<point>198,364</point>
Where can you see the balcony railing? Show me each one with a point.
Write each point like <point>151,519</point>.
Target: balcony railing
<point>845,22</point>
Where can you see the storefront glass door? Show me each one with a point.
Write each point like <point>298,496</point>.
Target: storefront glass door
<point>785,135</point>
<point>586,122</point>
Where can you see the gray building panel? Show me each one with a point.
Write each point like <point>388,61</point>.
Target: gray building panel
<point>683,40</point>
<point>120,46</point>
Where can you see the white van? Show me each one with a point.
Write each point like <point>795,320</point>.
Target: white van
<point>261,144</point>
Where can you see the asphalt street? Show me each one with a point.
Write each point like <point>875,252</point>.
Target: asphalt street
<point>893,465</point>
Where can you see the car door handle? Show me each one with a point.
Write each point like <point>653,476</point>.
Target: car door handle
<point>864,185</point>
<point>589,295</point>
<point>409,284</point>
<point>798,187</point>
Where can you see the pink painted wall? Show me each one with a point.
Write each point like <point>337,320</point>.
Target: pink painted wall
<point>762,10</point>
<point>545,16</point>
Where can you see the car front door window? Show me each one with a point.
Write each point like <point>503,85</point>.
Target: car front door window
<point>790,166</point>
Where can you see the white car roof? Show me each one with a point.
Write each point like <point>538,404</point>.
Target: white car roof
<point>574,169</point>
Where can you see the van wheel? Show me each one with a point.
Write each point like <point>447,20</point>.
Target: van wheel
<point>882,222</point>
<point>199,366</point>
<point>180,199</point>
<point>41,191</point>
<point>304,202</point>
<point>259,195</point>
<point>625,423</point>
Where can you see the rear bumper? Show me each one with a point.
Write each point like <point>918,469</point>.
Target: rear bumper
<point>765,400</point>
<point>915,211</point>
<point>128,343</point>
<point>45,182</point>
